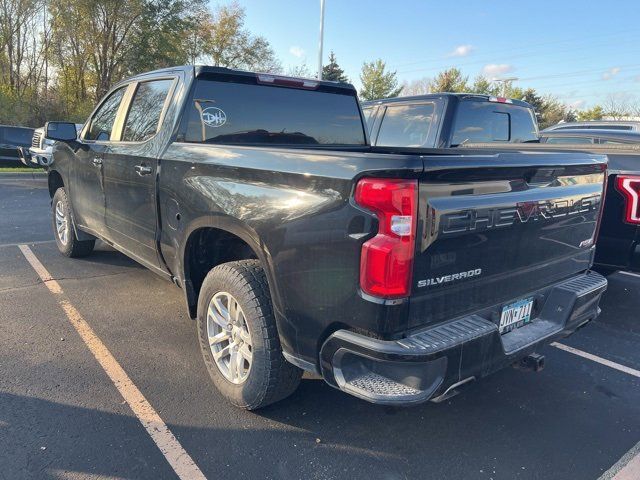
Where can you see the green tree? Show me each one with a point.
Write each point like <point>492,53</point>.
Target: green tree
<point>450,80</point>
<point>377,82</point>
<point>594,113</point>
<point>227,43</point>
<point>553,111</point>
<point>159,38</point>
<point>333,72</point>
<point>483,85</point>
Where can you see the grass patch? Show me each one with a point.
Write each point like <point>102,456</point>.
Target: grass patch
<point>20,170</point>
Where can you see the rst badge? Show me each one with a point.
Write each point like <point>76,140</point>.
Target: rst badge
<point>430,282</point>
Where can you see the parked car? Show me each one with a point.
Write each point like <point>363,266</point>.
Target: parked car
<point>590,137</point>
<point>395,275</point>
<point>446,120</point>
<point>38,154</point>
<point>618,125</point>
<point>11,138</point>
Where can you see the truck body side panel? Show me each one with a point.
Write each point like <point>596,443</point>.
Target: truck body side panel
<point>294,208</point>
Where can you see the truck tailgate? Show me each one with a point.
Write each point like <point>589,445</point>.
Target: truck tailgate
<point>494,227</point>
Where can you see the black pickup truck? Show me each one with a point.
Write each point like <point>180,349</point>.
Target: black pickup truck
<point>445,120</point>
<point>396,276</point>
<point>473,121</point>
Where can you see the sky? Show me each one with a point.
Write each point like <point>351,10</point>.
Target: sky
<point>581,51</point>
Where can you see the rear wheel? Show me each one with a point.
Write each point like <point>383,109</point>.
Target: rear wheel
<point>238,337</point>
<point>64,228</point>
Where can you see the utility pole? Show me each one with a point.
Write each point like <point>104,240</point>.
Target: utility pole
<point>321,39</point>
<point>504,82</point>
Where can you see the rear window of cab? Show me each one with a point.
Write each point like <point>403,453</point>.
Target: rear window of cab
<point>227,113</point>
<point>478,121</point>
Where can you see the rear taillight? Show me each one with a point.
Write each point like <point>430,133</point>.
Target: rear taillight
<point>629,187</point>
<point>386,263</point>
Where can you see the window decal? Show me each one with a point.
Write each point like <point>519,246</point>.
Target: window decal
<point>214,117</point>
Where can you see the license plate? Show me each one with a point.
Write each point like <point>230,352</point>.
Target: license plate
<point>515,315</point>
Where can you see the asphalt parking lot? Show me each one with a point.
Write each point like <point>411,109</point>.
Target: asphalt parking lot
<point>62,417</point>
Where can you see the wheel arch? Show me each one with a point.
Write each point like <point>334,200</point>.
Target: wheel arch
<point>213,241</point>
<point>54,181</point>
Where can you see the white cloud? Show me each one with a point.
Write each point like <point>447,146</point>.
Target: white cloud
<point>612,72</point>
<point>493,70</point>
<point>462,51</point>
<point>296,51</point>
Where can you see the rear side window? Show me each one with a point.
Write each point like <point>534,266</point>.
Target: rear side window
<point>407,126</point>
<point>146,107</point>
<point>102,121</point>
<point>487,122</point>
<point>250,114</point>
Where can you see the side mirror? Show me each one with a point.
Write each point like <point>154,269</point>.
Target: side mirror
<point>61,131</point>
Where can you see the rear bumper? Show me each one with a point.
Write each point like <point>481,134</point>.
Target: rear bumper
<point>429,362</point>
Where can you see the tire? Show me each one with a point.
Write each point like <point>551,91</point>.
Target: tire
<point>268,377</point>
<point>64,228</point>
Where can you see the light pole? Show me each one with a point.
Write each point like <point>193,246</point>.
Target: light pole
<point>504,83</point>
<point>321,40</point>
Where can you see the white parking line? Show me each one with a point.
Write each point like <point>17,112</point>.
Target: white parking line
<point>631,274</point>
<point>178,458</point>
<point>627,468</point>
<point>595,358</point>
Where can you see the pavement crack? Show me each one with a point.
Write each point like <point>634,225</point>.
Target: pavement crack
<point>40,282</point>
<point>88,276</point>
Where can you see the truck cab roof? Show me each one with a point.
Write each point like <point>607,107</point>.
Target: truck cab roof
<point>276,79</point>
<point>459,96</point>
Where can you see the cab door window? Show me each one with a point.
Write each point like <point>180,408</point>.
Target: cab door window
<point>101,125</point>
<point>145,111</point>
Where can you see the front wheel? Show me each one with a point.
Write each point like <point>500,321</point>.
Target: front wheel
<point>238,337</point>
<point>64,228</point>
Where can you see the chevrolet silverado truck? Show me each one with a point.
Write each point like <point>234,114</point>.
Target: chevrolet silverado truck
<point>467,120</point>
<point>396,276</point>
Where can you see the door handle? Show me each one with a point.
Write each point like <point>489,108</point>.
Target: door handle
<point>97,162</point>
<point>143,170</point>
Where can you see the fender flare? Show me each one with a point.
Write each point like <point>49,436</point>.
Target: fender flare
<point>245,233</point>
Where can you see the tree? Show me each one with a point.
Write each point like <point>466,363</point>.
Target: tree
<point>299,71</point>
<point>419,86</point>
<point>332,70</point>
<point>111,23</point>
<point>594,113</point>
<point>377,82</point>
<point>450,80</point>
<point>483,85</point>
<point>617,107</point>
<point>159,38</point>
<point>227,43</point>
